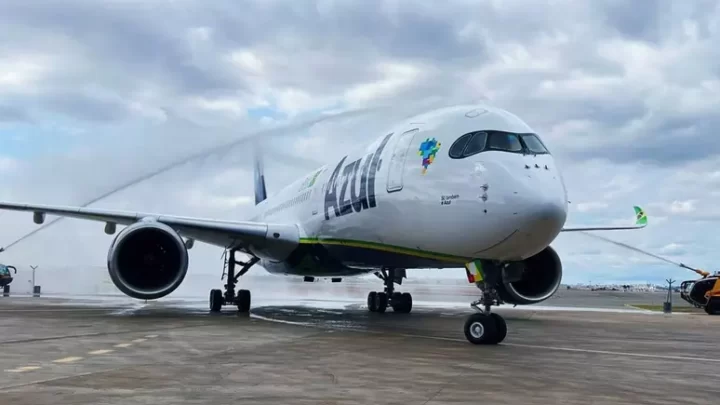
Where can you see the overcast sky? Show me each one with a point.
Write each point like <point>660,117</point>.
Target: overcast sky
<point>94,93</point>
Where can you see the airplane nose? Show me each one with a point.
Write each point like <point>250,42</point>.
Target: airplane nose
<point>532,206</point>
<point>537,221</point>
<point>546,217</point>
<point>543,219</point>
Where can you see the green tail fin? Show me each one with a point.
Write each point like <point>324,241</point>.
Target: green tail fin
<point>640,217</point>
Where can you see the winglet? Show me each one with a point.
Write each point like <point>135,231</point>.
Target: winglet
<point>641,221</point>
<point>640,217</point>
<point>259,176</point>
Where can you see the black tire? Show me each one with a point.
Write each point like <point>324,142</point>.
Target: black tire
<point>372,301</point>
<point>500,327</point>
<point>396,297</point>
<point>480,329</point>
<point>243,301</point>
<point>216,300</point>
<point>382,302</point>
<point>402,303</point>
<point>397,302</point>
<point>713,306</point>
<point>407,303</point>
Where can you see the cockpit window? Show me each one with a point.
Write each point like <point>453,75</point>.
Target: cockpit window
<point>533,143</point>
<point>475,142</point>
<point>505,141</point>
<point>456,150</point>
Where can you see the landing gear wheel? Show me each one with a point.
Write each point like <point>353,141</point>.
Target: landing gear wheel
<point>216,300</point>
<point>402,303</point>
<point>395,298</point>
<point>500,327</point>
<point>480,329</point>
<point>243,301</point>
<point>382,302</point>
<point>372,301</point>
<point>407,299</point>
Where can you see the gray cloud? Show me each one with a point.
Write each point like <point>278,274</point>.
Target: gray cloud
<point>87,108</point>
<point>10,113</point>
<point>641,21</point>
<point>668,141</point>
<point>167,57</point>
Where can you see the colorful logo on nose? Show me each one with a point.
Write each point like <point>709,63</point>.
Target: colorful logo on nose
<point>428,150</point>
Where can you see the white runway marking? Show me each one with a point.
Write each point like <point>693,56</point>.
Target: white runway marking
<point>554,348</point>
<point>129,311</point>
<point>459,305</point>
<point>56,310</point>
<point>67,360</point>
<point>262,318</point>
<point>103,351</point>
<point>340,304</point>
<point>572,349</point>
<point>23,369</point>
<point>128,307</point>
<point>652,356</point>
<point>64,377</point>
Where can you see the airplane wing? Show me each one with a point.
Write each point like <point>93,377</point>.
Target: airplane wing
<point>244,236</point>
<point>640,222</point>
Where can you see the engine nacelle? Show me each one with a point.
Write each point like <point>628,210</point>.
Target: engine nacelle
<point>147,260</point>
<point>532,280</point>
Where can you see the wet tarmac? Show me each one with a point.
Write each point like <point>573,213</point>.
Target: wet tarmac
<point>304,351</point>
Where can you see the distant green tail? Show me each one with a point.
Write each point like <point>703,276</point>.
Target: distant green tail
<point>640,217</point>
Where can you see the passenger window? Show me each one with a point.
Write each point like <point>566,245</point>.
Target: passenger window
<point>504,141</point>
<point>476,144</point>
<point>534,144</point>
<point>456,150</point>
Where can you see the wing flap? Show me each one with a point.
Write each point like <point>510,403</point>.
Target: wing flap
<point>641,221</point>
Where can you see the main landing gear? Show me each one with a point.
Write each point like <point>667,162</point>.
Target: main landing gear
<point>400,302</point>
<point>242,299</point>
<point>485,327</point>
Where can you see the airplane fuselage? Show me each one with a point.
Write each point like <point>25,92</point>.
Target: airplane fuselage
<point>405,202</point>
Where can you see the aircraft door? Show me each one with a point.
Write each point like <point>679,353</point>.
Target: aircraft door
<point>397,161</point>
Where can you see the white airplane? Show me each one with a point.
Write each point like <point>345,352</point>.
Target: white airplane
<point>465,186</point>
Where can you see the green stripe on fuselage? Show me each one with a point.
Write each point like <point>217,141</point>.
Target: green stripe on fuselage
<point>386,248</point>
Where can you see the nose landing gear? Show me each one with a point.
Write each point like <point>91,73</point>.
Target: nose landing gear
<point>484,327</point>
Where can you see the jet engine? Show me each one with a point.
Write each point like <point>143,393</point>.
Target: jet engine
<point>532,280</point>
<point>147,260</point>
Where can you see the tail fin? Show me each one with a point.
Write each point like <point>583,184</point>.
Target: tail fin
<point>260,191</point>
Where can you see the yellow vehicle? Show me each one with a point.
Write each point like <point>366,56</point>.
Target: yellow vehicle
<point>701,293</point>
<point>5,275</point>
<point>704,292</point>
